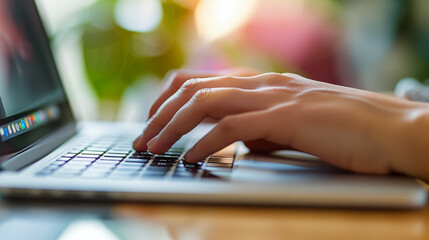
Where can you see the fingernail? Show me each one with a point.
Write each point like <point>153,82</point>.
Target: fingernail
<point>189,156</point>
<point>137,140</point>
<point>137,143</point>
<point>152,142</point>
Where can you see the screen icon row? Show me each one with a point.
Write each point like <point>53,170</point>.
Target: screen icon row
<point>28,122</point>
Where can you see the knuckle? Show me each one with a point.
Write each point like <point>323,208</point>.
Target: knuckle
<point>273,78</point>
<point>273,75</point>
<point>177,77</point>
<point>228,78</point>
<point>291,75</point>
<point>228,124</point>
<point>173,73</point>
<point>244,72</point>
<point>201,95</point>
<point>314,94</point>
<point>190,86</point>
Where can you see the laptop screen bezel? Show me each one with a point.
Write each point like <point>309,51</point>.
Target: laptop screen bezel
<point>24,141</point>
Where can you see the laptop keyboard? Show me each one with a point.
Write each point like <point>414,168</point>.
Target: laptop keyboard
<point>114,158</point>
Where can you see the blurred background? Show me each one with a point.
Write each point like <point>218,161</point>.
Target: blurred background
<point>112,54</point>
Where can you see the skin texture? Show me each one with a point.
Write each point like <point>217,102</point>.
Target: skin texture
<point>352,129</point>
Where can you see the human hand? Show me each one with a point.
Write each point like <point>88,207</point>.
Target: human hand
<point>352,129</point>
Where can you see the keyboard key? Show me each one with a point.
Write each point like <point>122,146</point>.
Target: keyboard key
<point>140,153</point>
<point>136,160</point>
<point>219,165</point>
<point>50,169</point>
<point>175,154</point>
<point>114,155</point>
<point>162,160</point>
<point>78,162</point>
<point>71,169</point>
<point>161,164</point>
<point>121,149</point>
<point>118,152</point>
<point>109,159</point>
<point>98,152</point>
<point>95,149</point>
<point>57,163</point>
<point>216,169</point>
<point>128,169</point>
<point>140,157</point>
<point>131,164</point>
<point>227,151</point>
<point>163,156</point>
<point>208,174</point>
<point>81,160</point>
<point>153,174</point>
<point>143,153</point>
<point>44,173</point>
<point>105,164</point>
<point>123,145</point>
<point>73,152</point>
<point>189,165</point>
<point>90,153</point>
<point>229,160</point>
<point>87,156</point>
<point>158,169</point>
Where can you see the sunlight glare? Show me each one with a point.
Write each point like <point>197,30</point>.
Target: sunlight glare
<point>218,18</point>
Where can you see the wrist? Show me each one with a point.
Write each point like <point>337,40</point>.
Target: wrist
<point>413,150</point>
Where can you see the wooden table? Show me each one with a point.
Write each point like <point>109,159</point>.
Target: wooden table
<point>194,222</point>
<point>229,222</point>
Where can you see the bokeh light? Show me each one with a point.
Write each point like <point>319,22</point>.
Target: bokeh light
<point>138,15</point>
<point>217,18</point>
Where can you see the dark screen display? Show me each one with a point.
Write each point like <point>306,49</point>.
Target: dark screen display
<point>32,100</point>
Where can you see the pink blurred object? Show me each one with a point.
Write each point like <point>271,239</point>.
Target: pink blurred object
<point>301,38</point>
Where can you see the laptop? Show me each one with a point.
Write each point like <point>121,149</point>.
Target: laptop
<point>45,153</point>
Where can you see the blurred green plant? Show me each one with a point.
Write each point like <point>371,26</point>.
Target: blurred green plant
<point>115,58</point>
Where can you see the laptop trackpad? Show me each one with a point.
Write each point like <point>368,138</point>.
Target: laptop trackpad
<point>280,166</point>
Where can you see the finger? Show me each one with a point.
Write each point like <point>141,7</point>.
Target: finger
<point>261,145</point>
<point>215,103</point>
<point>175,79</point>
<point>183,95</point>
<point>246,126</point>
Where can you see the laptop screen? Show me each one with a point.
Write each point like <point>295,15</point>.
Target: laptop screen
<point>32,100</point>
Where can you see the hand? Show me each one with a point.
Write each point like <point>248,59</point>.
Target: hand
<point>352,129</point>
